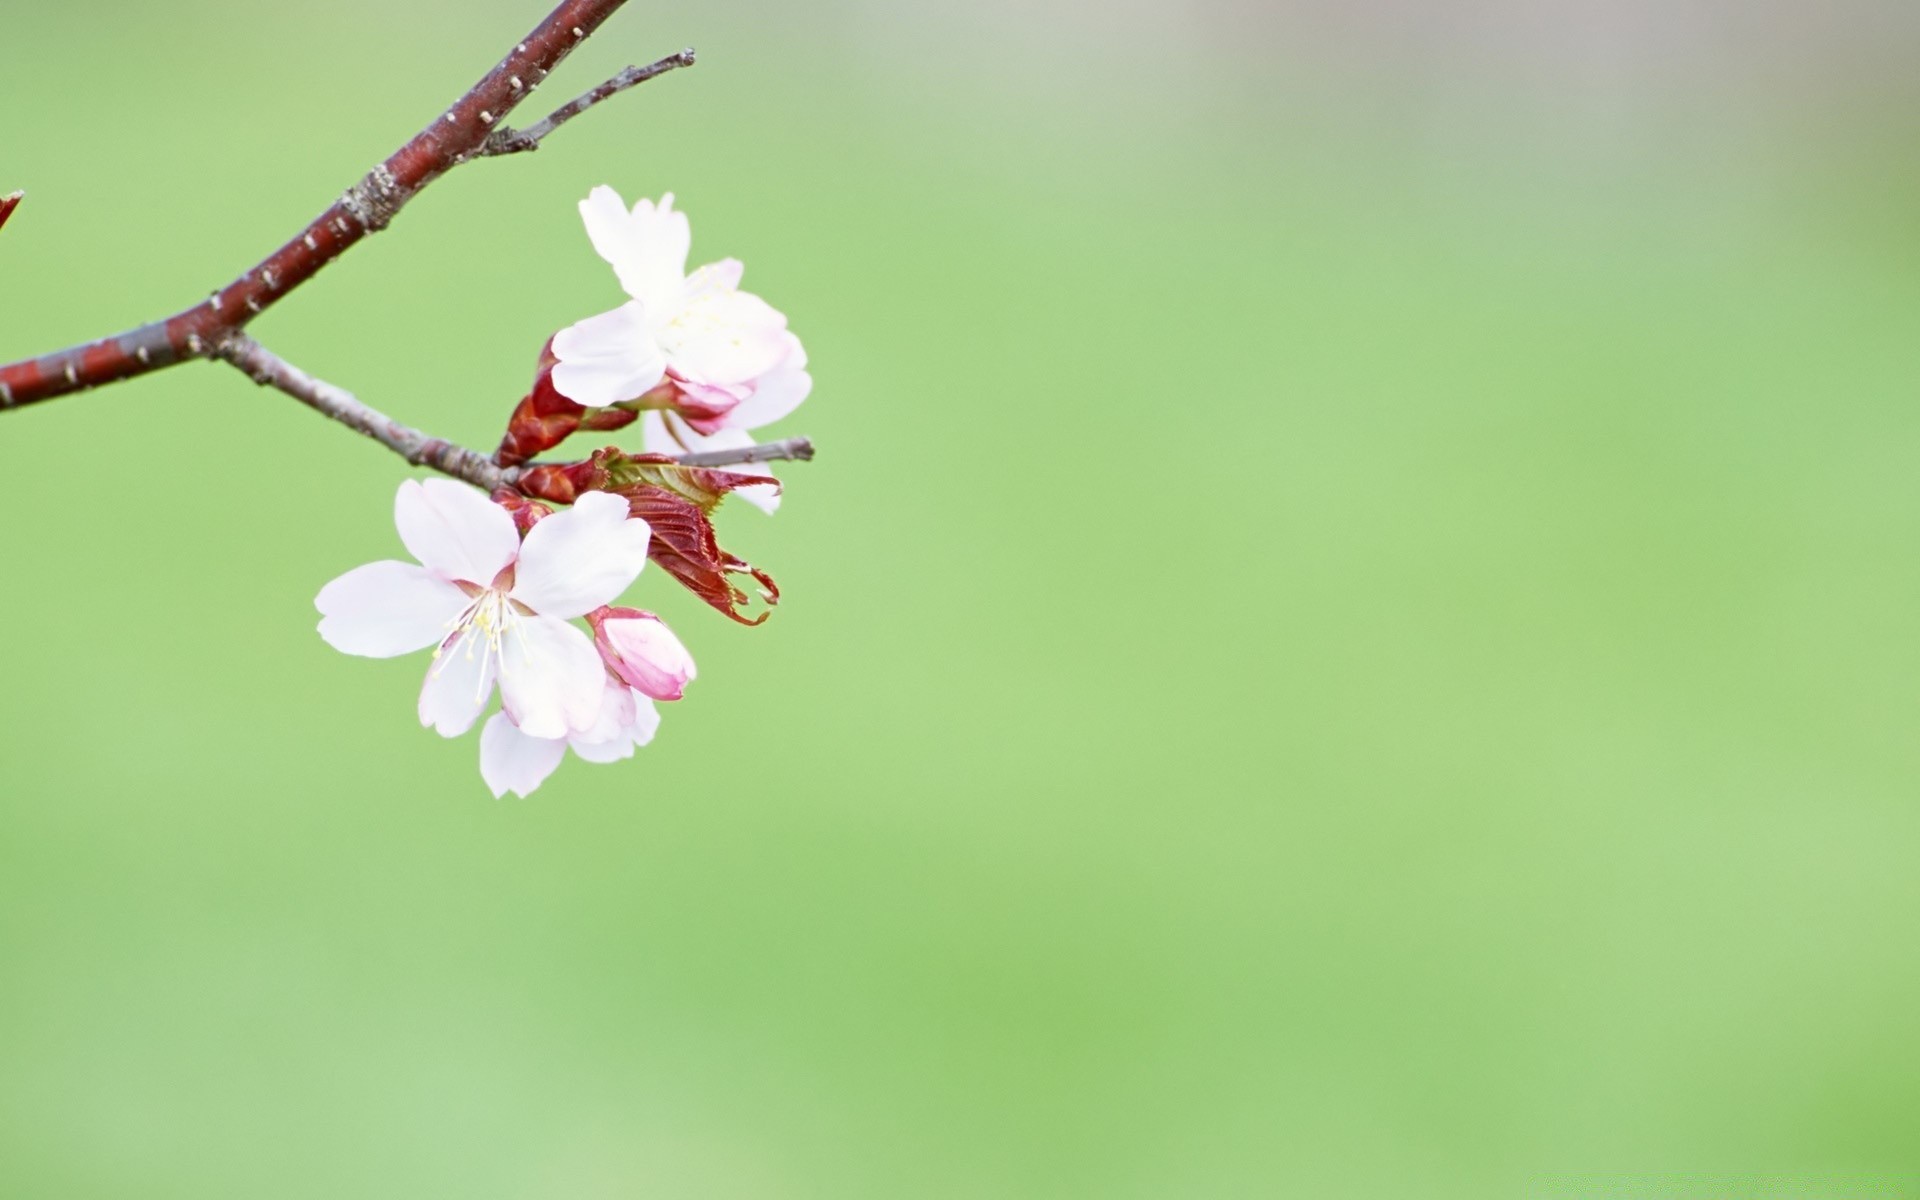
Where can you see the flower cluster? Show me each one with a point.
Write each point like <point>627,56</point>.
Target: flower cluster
<point>499,582</point>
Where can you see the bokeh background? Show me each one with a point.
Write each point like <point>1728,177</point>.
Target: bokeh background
<point>1352,633</point>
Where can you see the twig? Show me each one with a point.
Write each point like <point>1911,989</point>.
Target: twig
<point>796,449</point>
<point>454,137</point>
<point>513,141</point>
<point>8,203</point>
<point>268,369</point>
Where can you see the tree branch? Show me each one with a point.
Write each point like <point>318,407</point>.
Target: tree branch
<point>454,137</point>
<point>268,369</point>
<point>514,141</point>
<point>795,449</point>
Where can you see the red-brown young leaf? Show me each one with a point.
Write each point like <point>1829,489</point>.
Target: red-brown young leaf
<point>8,203</point>
<point>683,541</point>
<point>705,486</point>
<point>684,545</point>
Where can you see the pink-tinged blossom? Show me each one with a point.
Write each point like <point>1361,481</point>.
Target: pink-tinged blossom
<point>511,760</point>
<point>496,607</point>
<point>642,652</point>
<point>720,362</point>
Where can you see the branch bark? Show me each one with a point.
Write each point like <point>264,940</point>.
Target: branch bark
<point>268,369</point>
<point>456,136</point>
<point>794,449</point>
<point>514,141</point>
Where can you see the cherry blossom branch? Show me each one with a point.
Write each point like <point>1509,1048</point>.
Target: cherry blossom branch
<point>793,449</point>
<point>8,203</point>
<point>514,141</point>
<point>268,369</point>
<point>456,136</point>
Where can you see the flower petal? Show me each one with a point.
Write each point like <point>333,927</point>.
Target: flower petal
<point>642,723</point>
<point>510,761</point>
<point>716,278</point>
<point>608,359</point>
<point>575,561</point>
<point>646,720</point>
<point>616,750</point>
<point>457,532</point>
<point>725,337</point>
<point>551,677</point>
<point>615,714</point>
<point>609,740</point>
<point>646,247</point>
<point>458,684</point>
<point>775,394</point>
<point>386,609</point>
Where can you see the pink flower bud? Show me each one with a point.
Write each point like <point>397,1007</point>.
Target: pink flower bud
<point>639,648</point>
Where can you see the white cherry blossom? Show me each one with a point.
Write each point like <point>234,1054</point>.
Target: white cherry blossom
<point>711,363</point>
<point>498,608</point>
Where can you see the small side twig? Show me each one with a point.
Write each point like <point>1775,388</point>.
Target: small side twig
<point>268,369</point>
<point>8,203</point>
<point>795,449</point>
<point>514,141</point>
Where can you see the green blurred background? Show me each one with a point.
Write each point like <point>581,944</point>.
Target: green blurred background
<point>1351,634</point>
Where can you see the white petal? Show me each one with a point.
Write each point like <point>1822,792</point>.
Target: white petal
<point>637,721</point>
<point>646,720</point>
<point>716,278</point>
<point>609,740</point>
<point>658,437</point>
<point>551,677</point>
<point>386,609</point>
<point>605,215</point>
<point>577,560</point>
<point>457,532</point>
<point>728,356</point>
<point>510,761</point>
<point>725,337</point>
<point>608,358</point>
<point>458,684</point>
<point>617,750</point>
<point>775,394</point>
<point>615,714</point>
<point>646,247</point>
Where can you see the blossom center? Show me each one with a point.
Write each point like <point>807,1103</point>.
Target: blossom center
<point>483,628</point>
<point>698,318</point>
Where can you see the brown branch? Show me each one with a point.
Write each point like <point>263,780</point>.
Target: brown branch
<point>796,449</point>
<point>454,137</point>
<point>268,369</point>
<point>514,141</point>
<point>8,203</point>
